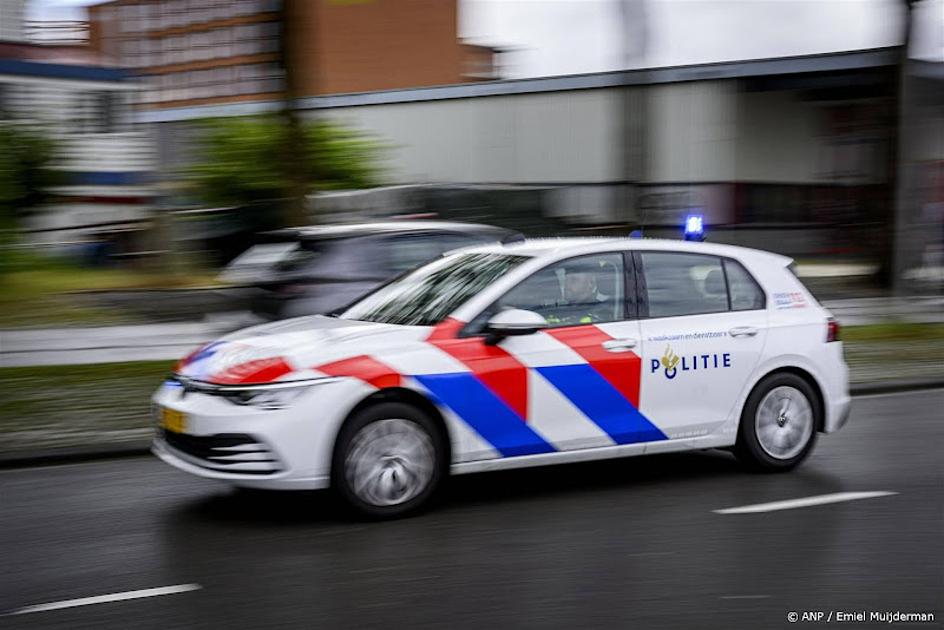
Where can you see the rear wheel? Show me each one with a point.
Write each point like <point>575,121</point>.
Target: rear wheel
<point>778,423</point>
<point>389,460</point>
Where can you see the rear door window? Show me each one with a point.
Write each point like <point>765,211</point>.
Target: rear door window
<point>684,284</point>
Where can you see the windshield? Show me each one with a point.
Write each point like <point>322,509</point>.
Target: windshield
<point>426,296</point>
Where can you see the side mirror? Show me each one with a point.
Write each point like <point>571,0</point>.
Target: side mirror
<point>513,322</point>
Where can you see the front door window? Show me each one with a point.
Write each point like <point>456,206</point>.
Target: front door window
<point>582,290</point>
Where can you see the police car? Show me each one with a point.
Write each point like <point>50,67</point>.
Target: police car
<point>505,356</point>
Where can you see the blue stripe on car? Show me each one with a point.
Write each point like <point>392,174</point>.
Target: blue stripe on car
<point>602,403</point>
<point>486,413</point>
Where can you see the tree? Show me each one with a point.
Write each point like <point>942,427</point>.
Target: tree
<point>241,160</point>
<point>893,245</point>
<point>294,145</point>
<point>25,173</point>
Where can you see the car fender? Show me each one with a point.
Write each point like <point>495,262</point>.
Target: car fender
<point>764,368</point>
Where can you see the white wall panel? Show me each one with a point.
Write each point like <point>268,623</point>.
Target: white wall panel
<point>532,138</point>
<point>691,132</point>
<point>780,139</point>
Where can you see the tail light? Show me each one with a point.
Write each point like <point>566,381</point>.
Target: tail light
<point>832,330</point>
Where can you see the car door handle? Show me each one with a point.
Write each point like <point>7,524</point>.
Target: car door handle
<point>743,331</point>
<point>619,345</point>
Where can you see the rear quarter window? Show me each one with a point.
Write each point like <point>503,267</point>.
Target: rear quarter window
<point>746,294</point>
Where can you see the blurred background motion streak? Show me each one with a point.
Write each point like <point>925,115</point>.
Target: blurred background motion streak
<point>172,171</point>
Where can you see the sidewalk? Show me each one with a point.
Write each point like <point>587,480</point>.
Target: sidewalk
<point>887,310</point>
<point>112,344</point>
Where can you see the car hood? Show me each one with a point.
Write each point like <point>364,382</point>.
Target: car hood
<point>291,349</point>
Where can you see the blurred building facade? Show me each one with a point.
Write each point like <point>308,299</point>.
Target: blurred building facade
<point>12,14</point>
<point>85,108</point>
<point>795,155</point>
<point>203,52</point>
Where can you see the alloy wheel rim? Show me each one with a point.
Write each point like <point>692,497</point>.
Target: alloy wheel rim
<point>784,422</point>
<point>389,462</point>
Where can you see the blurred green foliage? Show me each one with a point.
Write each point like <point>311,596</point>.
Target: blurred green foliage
<point>25,174</point>
<point>38,290</point>
<point>241,160</point>
<point>25,179</point>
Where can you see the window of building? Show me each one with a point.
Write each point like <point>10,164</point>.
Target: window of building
<point>148,17</point>
<point>5,105</point>
<point>178,11</point>
<point>248,7</point>
<point>218,9</point>
<point>164,17</point>
<point>684,284</point>
<point>130,49</point>
<point>128,18</point>
<point>107,114</point>
<point>144,52</point>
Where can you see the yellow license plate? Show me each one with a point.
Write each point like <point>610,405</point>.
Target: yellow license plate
<point>173,420</point>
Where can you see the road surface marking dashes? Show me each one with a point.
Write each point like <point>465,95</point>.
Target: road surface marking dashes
<point>822,499</point>
<point>104,599</point>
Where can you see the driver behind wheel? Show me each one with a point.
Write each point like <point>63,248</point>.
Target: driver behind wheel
<point>583,302</point>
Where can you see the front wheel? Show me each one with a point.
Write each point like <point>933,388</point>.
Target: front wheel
<point>388,460</point>
<point>778,423</point>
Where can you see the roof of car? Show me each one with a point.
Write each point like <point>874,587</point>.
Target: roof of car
<point>565,246</point>
<point>342,230</point>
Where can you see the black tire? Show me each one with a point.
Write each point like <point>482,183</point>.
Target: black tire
<point>749,448</point>
<point>353,439</point>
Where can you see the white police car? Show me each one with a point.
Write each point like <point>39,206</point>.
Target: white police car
<point>503,356</point>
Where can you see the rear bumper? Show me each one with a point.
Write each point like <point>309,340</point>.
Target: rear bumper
<point>837,414</point>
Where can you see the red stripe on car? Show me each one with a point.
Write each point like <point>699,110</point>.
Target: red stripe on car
<point>256,371</point>
<point>621,370</point>
<point>446,329</point>
<point>366,369</point>
<point>499,371</point>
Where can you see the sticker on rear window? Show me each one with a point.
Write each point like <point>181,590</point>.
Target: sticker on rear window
<point>793,299</point>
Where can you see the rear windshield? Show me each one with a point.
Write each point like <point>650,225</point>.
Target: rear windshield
<point>301,256</point>
<point>426,296</point>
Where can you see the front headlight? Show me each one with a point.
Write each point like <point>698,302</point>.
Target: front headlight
<point>270,399</point>
<point>270,396</point>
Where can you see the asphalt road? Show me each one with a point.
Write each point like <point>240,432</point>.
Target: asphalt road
<point>633,543</point>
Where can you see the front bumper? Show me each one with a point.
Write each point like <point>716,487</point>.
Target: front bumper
<point>275,481</point>
<point>246,446</point>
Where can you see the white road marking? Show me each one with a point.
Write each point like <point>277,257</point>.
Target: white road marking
<point>836,497</point>
<point>111,597</point>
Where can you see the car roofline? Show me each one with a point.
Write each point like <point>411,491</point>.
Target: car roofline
<point>566,247</point>
<point>343,230</point>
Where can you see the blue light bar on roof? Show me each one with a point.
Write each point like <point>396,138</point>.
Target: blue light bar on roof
<point>694,228</point>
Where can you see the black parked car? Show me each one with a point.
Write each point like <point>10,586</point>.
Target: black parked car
<point>304,271</point>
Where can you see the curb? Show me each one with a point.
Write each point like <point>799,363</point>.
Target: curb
<point>895,386</point>
<point>53,457</point>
